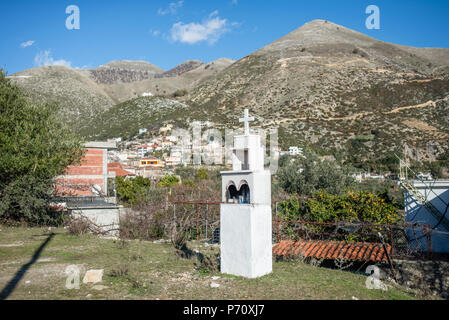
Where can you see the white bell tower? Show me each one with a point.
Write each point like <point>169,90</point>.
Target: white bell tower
<point>245,212</point>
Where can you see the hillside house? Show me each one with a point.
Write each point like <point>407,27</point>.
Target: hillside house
<point>151,163</point>
<point>172,161</point>
<point>143,150</point>
<point>90,177</point>
<point>295,151</point>
<point>119,170</point>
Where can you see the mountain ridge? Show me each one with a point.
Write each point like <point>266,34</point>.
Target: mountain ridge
<point>324,86</point>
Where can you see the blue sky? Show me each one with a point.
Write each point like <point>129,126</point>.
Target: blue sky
<point>166,33</point>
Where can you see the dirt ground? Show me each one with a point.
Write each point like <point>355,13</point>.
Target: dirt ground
<point>33,263</point>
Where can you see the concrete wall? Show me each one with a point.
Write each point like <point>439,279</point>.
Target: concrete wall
<point>420,214</point>
<point>108,218</point>
<point>246,240</point>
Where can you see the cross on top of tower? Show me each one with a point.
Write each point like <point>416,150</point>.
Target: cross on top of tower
<point>246,119</point>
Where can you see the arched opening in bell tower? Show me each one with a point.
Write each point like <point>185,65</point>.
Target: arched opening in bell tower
<point>231,192</point>
<point>244,193</point>
<point>241,195</point>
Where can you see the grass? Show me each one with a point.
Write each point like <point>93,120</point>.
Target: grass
<point>146,270</point>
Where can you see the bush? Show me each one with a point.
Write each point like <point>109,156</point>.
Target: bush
<point>180,93</point>
<point>353,206</point>
<point>132,191</point>
<point>78,226</point>
<point>168,181</point>
<point>150,221</point>
<point>144,225</point>
<point>202,174</point>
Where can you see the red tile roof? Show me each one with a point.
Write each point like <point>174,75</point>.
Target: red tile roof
<point>351,251</point>
<point>118,169</point>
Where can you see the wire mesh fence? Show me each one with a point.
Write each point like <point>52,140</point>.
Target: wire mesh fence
<point>203,218</point>
<point>408,241</point>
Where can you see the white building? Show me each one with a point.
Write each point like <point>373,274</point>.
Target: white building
<point>142,131</point>
<point>143,150</point>
<point>245,212</point>
<point>425,176</point>
<point>427,203</point>
<point>172,161</point>
<point>295,151</point>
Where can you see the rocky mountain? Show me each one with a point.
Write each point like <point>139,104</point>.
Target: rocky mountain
<point>339,91</point>
<point>124,72</point>
<point>84,94</point>
<point>323,86</point>
<point>181,69</point>
<point>125,119</point>
<point>186,78</point>
<point>78,96</point>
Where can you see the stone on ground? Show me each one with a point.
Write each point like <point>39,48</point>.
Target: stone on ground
<point>93,276</point>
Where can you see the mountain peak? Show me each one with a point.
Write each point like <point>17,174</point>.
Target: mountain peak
<point>319,32</point>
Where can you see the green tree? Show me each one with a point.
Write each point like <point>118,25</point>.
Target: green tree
<point>35,147</point>
<point>202,174</point>
<point>168,181</point>
<point>309,174</point>
<point>132,191</point>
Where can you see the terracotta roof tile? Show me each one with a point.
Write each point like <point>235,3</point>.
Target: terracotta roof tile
<point>351,251</point>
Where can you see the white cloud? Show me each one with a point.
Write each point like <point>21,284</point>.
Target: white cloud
<point>172,8</point>
<point>27,43</point>
<point>235,2</point>
<point>44,58</point>
<point>210,30</point>
<point>155,32</point>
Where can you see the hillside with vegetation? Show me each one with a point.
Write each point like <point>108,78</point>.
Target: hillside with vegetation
<point>338,92</point>
<point>324,86</point>
<point>124,120</point>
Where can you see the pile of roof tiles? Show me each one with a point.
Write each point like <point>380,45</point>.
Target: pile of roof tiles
<point>350,251</point>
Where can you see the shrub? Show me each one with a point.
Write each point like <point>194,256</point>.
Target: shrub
<point>132,191</point>
<point>168,181</point>
<point>360,206</point>
<point>180,93</point>
<point>202,174</point>
<point>77,226</point>
<point>82,225</point>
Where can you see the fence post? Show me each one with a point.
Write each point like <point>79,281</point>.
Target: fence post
<point>197,223</point>
<point>207,213</point>
<point>174,218</point>
<point>392,241</point>
<point>428,230</point>
<point>278,235</point>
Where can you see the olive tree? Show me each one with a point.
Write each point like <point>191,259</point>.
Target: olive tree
<point>35,147</point>
<point>308,174</point>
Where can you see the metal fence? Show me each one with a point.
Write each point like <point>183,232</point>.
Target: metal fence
<point>204,218</point>
<point>408,241</point>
